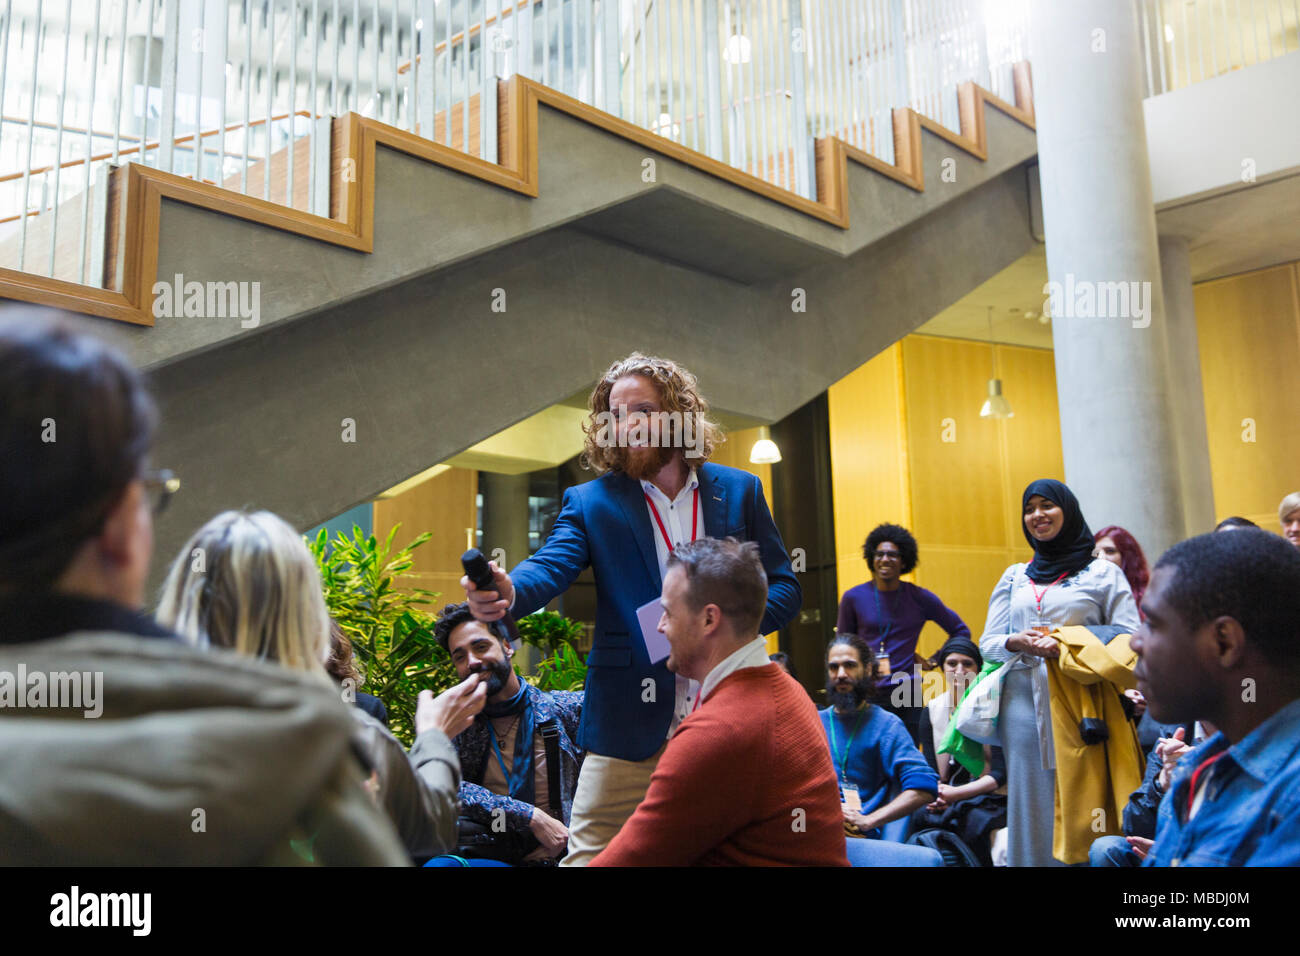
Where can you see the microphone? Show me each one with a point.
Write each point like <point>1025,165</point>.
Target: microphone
<point>477,570</point>
<point>480,574</point>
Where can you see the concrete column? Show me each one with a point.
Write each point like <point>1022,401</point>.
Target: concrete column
<point>1185,392</point>
<point>505,515</point>
<point>505,526</point>
<point>1108,315</point>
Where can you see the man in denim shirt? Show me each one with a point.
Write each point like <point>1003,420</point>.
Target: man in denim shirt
<point>1218,645</point>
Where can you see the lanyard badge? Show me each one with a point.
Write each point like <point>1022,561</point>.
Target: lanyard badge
<point>850,797</point>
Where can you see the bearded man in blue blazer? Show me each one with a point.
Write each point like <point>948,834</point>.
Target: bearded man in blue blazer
<point>649,438</point>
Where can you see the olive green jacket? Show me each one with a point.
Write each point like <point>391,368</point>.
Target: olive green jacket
<point>423,804</point>
<point>196,759</point>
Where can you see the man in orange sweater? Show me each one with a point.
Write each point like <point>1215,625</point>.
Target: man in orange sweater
<point>747,779</point>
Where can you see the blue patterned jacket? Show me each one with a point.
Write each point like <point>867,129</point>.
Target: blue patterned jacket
<point>475,748</point>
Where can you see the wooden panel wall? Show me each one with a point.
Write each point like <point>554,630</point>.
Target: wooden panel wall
<point>966,472</point>
<point>1248,329</point>
<point>961,498</point>
<point>1032,438</point>
<point>908,446</point>
<point>734,452</point>
<point>445,505</point>
<point>868,458</point>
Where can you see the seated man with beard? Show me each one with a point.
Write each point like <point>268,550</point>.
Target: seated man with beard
<point>870,747</point>
<point>518,759</point>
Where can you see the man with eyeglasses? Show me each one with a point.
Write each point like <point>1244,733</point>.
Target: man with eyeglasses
<point>192,757</point>
<point>888,613</point>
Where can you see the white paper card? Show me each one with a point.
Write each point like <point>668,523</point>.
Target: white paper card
<point>656,643</point>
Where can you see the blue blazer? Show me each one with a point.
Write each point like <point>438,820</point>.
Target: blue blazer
<point>604,524</point>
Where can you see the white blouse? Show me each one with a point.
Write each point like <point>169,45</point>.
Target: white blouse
<point>1098,594</point>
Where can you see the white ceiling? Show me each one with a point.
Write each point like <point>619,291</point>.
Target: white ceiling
<point>1250,227</point>
<point>1012,293</point>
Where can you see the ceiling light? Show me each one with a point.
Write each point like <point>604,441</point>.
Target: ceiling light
<point>995,406</point>
<point>764,451</point>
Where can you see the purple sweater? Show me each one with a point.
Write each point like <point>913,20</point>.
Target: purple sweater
<point>899,620</point>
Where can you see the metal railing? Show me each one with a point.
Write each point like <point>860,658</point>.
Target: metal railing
<point>1188,41</point>
<point>240,93</point>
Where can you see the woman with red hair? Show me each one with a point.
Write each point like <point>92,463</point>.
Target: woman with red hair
<point>1119,547</point>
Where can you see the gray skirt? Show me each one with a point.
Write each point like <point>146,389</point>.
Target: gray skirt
<point>1031,790</point>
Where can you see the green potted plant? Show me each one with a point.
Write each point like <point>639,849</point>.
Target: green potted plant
<point>556,637</point>
<point>390,628</point>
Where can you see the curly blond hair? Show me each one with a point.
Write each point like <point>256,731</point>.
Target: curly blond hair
<point>678,393</point>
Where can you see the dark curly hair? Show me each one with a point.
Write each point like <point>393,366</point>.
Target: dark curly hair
<point>454,615</point>
<point>1248,575</point>
<point>1235,521</point>
<point>897,535</point>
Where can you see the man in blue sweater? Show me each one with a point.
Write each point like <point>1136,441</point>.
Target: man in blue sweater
<point>882,776</point>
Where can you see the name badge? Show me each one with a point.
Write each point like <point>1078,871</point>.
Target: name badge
<point>882,665</point>
<point>850,798</point>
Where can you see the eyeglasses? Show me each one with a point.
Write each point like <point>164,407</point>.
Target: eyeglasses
<point>881,555</point>
<point>160,486</point>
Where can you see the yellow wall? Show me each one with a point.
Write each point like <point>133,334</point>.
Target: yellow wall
<point>734,452</point>
<point>908,447</point>
<point>961,498</point>
<point>869,482</point>
<point>1248,328</point>
<point>444,505</point>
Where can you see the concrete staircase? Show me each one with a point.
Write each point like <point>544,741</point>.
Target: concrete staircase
<point>448,298</point>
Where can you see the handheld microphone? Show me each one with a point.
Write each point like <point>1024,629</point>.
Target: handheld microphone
<point>480,574</point>
<point>476,569</point>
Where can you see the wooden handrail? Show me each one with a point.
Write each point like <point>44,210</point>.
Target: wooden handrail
<point>9,177</point>
<point>139,190</point>
<point>46,124</point>
<point>460,37</point>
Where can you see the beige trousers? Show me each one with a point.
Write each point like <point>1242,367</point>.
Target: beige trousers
<point>609,791</point>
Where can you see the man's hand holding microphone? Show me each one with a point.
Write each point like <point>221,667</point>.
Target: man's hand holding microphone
<point>488,589</point>
<point>454,710</point>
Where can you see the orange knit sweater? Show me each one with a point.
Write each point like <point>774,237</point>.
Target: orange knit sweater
<point>747,780</point>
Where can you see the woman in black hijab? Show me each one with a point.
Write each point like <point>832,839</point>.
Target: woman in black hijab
<point>1063,585</point>
<point>1070,547</point>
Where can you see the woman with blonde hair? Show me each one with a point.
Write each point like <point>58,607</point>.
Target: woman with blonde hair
<point>246,582</point>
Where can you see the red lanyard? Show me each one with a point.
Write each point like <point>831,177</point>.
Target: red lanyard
<point>1196,775</point>
<point>1038,598</point>
<point>695,517</point>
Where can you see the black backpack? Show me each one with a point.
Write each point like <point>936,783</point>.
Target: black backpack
<point>475,841</point>
<point>951,847</point>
